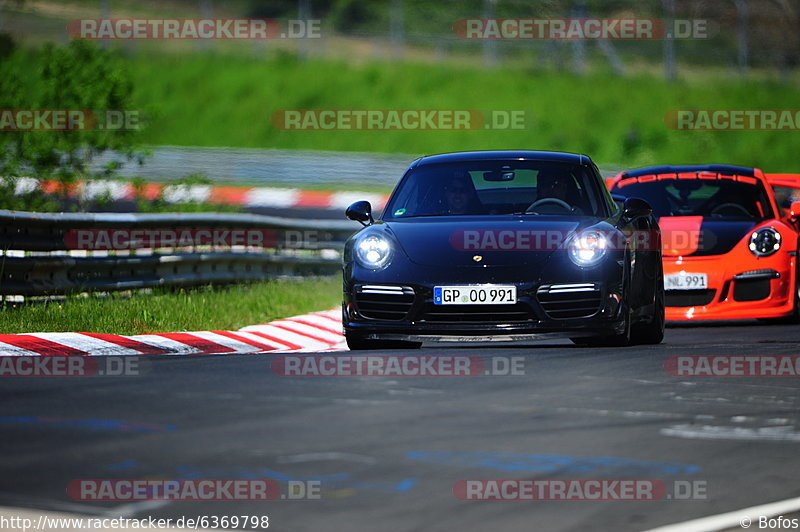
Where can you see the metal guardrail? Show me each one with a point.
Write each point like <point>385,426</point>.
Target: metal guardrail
<point>39,260</point>
<point>259,166</point>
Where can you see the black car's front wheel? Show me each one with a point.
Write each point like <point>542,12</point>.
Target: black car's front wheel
<point>622,339</point>
<point>652,332</point>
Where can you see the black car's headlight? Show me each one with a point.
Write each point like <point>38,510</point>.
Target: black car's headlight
<point>373,250</point>
<point>765,242</point>
<point>587,248</point>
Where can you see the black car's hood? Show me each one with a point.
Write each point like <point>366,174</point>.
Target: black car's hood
<point>504,241</point>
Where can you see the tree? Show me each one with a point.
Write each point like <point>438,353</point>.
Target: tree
<point>78,77</point>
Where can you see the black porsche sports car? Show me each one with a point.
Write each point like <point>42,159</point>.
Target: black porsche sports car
<point>503,245</point>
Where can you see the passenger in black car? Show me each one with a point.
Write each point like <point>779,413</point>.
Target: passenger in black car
<point>460,195</point>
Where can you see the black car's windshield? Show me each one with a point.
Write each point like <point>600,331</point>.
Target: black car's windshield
<point>718,197</point>
<point>497,187</point>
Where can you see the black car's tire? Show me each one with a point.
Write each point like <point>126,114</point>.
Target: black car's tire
<point>653,331</point>
<point>615,340</point>
<point>362,344</point>
<point>622,339</point>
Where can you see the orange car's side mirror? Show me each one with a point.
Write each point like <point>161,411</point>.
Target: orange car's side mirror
<point>794,210</point>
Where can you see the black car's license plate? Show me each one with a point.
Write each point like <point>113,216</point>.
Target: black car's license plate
<point>475,295</point>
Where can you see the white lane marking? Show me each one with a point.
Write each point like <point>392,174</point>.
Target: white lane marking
<point>14,351</point>
<point>272,197</point>
<point>116,190</point>
<point>334,314</point>
<point>283,334</point>
<point>87,344</point>
<point>186,193</point>
<point>326,456</point>
<point>341,200</point>
<point>711,432</point>
<point>260,339</point>
<point>170,347</point>
<point>732,519</point>
<point>25,185</point>
<point>236,345</point>
<point>302,328</point>
<point>319,322</point>
<point>133,508</point>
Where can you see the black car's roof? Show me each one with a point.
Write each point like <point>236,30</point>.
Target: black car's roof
<point>725,169</point>
<point>573,158</point>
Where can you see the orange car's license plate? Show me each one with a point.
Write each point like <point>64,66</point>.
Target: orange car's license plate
<point>686,281</point>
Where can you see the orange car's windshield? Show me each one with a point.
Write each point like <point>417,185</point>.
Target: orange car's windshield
<point>715,198</point>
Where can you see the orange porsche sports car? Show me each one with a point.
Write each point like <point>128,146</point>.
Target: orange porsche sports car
<point>730,251</point>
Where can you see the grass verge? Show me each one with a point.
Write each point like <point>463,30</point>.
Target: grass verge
<point>230,101</point>
<point>200,309</point>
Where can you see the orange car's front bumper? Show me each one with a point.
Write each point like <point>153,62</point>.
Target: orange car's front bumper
<point>723,298</point>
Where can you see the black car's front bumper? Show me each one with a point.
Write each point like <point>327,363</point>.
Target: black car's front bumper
<point>384,311</point>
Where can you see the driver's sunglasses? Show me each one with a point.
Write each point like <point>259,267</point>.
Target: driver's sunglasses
<point>457,190</point>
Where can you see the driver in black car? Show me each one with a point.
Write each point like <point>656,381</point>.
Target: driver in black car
<point>558,188</point>
<point>552,186</point>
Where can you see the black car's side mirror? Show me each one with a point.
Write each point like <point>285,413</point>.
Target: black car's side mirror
<point>619,200</point>
<point>361,212</point>
<point>636,208</point>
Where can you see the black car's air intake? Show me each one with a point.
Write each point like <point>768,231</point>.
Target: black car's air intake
<point>384,302</point>
<point>565,301</point>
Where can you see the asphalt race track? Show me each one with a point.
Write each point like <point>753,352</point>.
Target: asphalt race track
<point>389,450</point>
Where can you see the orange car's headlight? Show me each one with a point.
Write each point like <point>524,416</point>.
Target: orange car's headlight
<point>764,242</point>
